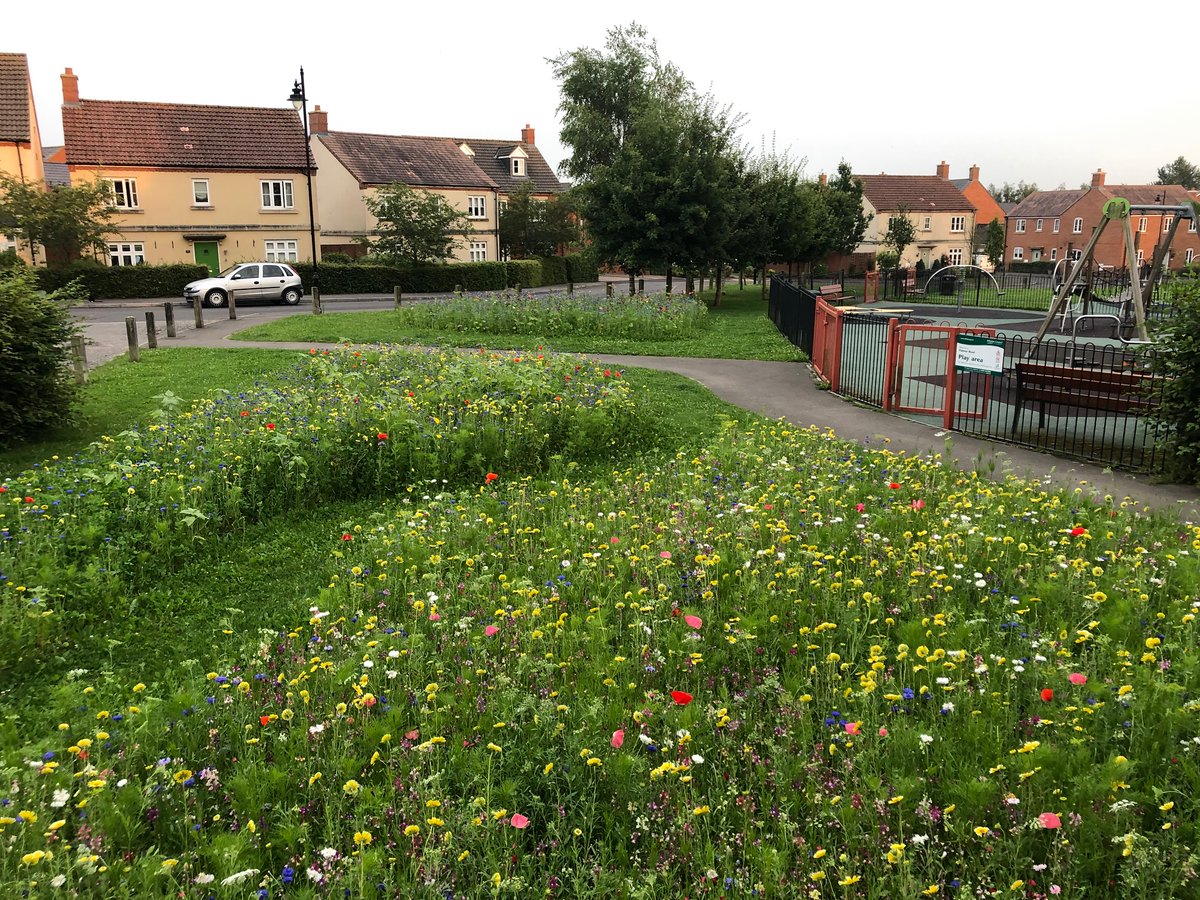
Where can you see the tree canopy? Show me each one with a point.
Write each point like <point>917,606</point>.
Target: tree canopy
<point>414,226</point>
<point>69,222</point>
<point>1012,193</point>
<point>532,227</point>
<point>1180,172</point>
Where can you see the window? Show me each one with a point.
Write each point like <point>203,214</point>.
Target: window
<point>200,192</point>
<point>277,195</point>
<point>1055,226</point>
<point>1077,226</point>
<point>280,251</point>
<point>1142,225</point>
<point>8,242</point>
<point>126,254</point>
<point>927,224</point>
<point>124,193</point>
<point>1053,253</point>
<point>1076,255</point>
<point>273,272</point>
<point>1018,253</point>
<point>1020,226</point>
<point>1037,226</point>
<point>518,166</point>
<point>477,207</point>
<point>478,251</point>
<point>503,206</point>
<point>955,256</point>
<point>1141,257</point>
<point>1189,255</point>
<point>1167,220</point>
<point>1192,225</point>
<point>1035,254</point>
<point>959,223</point>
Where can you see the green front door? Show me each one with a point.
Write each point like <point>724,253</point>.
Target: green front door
<point>206,255</point>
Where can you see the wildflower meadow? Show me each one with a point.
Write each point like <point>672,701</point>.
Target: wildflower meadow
<point>542,661</point>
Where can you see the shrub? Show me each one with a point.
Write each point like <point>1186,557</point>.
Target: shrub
<point>554,270</point>
<point>582,267</point>
<point>100,282</point>
<point>36,386</point>
<point>1179,362</point>
<point>525,272</point>
<point>379,278</point>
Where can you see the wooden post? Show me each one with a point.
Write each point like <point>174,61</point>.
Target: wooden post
<point>232,303</point>
<point>169,315</point>
<point>397,296</point>
<point>570,287</point>
<point>131,335</point>
<point>198,311</point>
<point>458,289</point>
<point>151,331</point>
<point>641,285</point>
<point>316,300</point>
<point>608,289</point>
<point>79,351</point>
<point>518,289</point>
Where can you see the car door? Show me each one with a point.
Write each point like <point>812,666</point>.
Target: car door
<point>273,279</point>
<point>247,281</point>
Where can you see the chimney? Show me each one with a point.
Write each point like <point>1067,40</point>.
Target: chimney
<point>70,86</point>
<point>527,134</point>
<point>1098,178</point>
<point>823,179</point>
<point>974,173</point>
<point>943,170</point>
<point>318,120</point>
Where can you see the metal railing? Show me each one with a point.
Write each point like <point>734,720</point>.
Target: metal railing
<point>792,309</point>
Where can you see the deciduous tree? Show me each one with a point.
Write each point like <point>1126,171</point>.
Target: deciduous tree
<point>413,225</point>
<point>900,232</point>
<point>69,222</point>
<point>531,227</point>
<point>1180,172</point>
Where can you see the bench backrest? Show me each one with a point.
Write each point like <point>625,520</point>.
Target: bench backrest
<point>1071,379</point>
<point>831,290</point>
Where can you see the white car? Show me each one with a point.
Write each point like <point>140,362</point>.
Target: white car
<point>276,282</point>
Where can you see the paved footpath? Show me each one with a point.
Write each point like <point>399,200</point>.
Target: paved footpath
<point>788,391</point>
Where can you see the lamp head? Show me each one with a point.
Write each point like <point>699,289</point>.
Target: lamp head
<point>297,97</point>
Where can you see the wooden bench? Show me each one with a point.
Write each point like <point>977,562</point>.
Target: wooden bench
<point>831,292</point>
<point>1117,392</point>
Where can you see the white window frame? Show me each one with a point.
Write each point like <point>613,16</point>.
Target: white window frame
<point>124,193</point>
<point>927,223</point>
<point>1188,256</point>
<point>1192,225</point>
<point>1056,224</point>
<point>1141,256</point>
<point>477,207</point>
<point>1037,225</point>
<point>280,252</point>
<point>277,193</point>
<point>1053,254</point>
<point>8,242</point>
<point>196,201</point>
<point>1018,253</point>
<point>1077,225</point>
<point>518,166</point>
<point>1076,255</point>
<point>126,253</point>
<point>1020,229</point>
<point>1167,220</point>
<point>1035,255</point>
<point>958,224</point>
<point>478,251</point>
<point>1142,225</point>
<point>955,256</point>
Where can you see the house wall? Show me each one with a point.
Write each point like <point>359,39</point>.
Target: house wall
<point>22,160</point>
<point>166,215</point>
<point>929,244</point>
<point>986,209</point>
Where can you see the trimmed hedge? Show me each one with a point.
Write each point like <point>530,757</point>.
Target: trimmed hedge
<point>554,270</point>
<point>1041,267</point>
<point>582,268</point>
<point>525,272</point>
<point>122,282</point>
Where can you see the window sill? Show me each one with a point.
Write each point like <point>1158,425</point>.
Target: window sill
<point>128,210</point>
<point>202,206</point>
<point>277,211</point>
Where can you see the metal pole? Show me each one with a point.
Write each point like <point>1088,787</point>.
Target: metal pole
<point>151,331</point>
<point>312,221</point>
<point>169,315</point>
<point>131,336</point>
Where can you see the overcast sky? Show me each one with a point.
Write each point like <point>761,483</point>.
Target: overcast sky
<point>1044,91</point>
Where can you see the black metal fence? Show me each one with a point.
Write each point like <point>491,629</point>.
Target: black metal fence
<point>793,310</point>
<point>863,358</point>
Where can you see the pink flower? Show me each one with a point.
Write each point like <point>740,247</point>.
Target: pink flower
<point>491,630</point>
<point>694,621</point>
<point>1077,678</point>
<point>882,731</point>
<point>918,504</point>
<point>666,554</point>
<point>1049,820</point>
<point>859,507</point>
<point>853,728</point>
<point>435,617</point>
<point>618,738</point>
<point>519,821</point>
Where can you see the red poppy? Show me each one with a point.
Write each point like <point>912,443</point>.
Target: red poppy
<point>3,488</point>
<point>382,435</point>
<point>270,426</point>
<point>347,537</point>
<point>245,412</point>
<point>894,485</point>
<point>1047,694</point>
<point>681,698</point>
<point>1078,530</point>
<point>264,720</point>
<point>490,477</point>
<point>28,499</point>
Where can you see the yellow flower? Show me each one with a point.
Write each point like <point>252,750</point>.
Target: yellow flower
<point>32,859</point>
<point>351,787</point>
<point>362,838</point>
<point>981,830</point>
<point>464,855</point>
<point>549,768</point>
<point>412,830</point>
<point>701,810</point>
<point>931,890</point>
<point>314,778</point>
<point>433,821</point>
<point>1016,885</point>
<point>28,815</point>
<point>54,826</point>
<point>433,804</point>
<point>849,880</point>
<point>495,748</point>
<point>1168,806</point>
<point>138,688</point>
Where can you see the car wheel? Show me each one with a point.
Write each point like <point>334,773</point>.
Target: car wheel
<point>215,298</point>
<point>291,296</point>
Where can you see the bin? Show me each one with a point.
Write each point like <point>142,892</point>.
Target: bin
<point>947,285</point>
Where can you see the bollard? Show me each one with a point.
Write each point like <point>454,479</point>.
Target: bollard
<point>641,285</point>
<point>169,315</point>
<point>399,297</point>
<point>518,289</point>
<point>458,289</point>
<point>608,289</point>
<point>316,300</point>
<point>79,352</point>
<point>151,331</point>
<point>570,287</point>
<point>198,311</point>
<point>232,304</point>
<point>131,335</point>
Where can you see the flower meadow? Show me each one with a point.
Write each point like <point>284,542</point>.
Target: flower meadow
<point>777,666</point>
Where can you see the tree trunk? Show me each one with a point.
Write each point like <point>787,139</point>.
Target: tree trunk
<point>632,283</point>
<point>742,280</point>
<point>718,284</point>
<point>670,276</point>
<point>690,284</point>
<point>702,282</point>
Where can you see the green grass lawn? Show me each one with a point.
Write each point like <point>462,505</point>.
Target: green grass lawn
<point>738,329</point>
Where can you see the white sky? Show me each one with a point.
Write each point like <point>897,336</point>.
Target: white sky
<point>1024,89</point>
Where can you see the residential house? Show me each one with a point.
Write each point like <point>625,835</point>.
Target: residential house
<point>474,175</point>
<point>20,138</point>
<point>987,210</point>
<point>944,219</point>
<point>1057,225</point>
<point>214,185</point>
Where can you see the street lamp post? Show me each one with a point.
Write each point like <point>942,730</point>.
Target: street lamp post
<point>300,102</point>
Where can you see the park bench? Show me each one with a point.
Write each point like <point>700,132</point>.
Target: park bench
<point>831,292</point>
<point>1115,392</point>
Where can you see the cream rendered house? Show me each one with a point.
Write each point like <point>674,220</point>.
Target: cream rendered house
<point>943,219</point>
<point>214,185</point>
<point>20,139</point>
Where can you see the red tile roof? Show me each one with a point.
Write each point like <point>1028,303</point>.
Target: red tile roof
<point>928,193</point>
<point>183,136</point>
<point>14,98</point>
<point>1045,204</point>
<point>417,161</point>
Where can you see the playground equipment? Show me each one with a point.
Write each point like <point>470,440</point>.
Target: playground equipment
<point>959,272</point>
<point>1118,209</point>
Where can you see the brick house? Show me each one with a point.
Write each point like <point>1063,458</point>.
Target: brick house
<point>1056,225</point>
<point>987,210</point>
<point>20,137</point>
<point>943,217</point>
<point>214,185</point>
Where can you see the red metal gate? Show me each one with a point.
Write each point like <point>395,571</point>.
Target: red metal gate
<point>920,372</point>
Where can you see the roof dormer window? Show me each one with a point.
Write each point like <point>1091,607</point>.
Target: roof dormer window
<point>518,166</point>
<point>466,149</point>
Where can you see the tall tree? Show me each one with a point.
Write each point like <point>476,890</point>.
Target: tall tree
<point>900,232</point>
<point>532,227</point>
<point>414,226</point>
<point>1012,193</point>
<point>69,222</point>
<point>847,219</point>
<point>1180,172</point>
<point>994,246</point>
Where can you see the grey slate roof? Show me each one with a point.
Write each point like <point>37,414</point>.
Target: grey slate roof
<point>416,161</point>
<point>1045,204</point>
<point>14,98</point>
<point>491,157</point>
<point>57,174</point>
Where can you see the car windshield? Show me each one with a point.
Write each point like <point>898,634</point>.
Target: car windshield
<point>227,272</point>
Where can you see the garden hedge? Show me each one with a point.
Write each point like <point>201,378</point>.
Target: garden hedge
<point>122,282</point>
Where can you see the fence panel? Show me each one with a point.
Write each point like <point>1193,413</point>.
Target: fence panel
<point>863,358</point>
<point>792,309</point>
